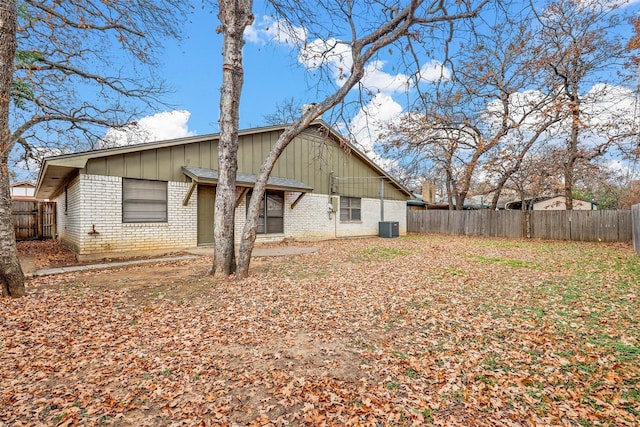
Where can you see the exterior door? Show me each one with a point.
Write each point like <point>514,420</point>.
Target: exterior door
<point>206,207</point>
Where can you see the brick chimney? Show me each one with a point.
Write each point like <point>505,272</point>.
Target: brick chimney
<point>428,191</point>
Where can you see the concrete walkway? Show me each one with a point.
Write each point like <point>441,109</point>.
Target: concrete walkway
<point>262,252</point>
<point>28,266</point>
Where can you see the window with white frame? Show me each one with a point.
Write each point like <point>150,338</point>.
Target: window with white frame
<point>350,208</point>
<point>144,200</point>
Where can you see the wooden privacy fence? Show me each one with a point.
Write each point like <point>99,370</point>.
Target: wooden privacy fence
<point>586,226</point>
<point>34,220</point>
<point>469,223</point>
<point>635,219</point>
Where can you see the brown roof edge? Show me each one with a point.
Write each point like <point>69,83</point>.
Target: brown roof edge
<point>27,183</point>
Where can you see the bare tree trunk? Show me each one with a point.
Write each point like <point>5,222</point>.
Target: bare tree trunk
<point>495,198</point>
<point>460,197</point>
<point>235,16</point>
<point>450,186</point>
<point>572,149</point>
<point>251,225</point>
<point>11,276</point>
<point>568,185</point>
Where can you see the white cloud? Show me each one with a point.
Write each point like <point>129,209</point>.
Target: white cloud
<point>622,169</point>
<point>606,104</point>
<point>377,79</point>
<point>333,53</point>
<point>158,127</point>
<point>372,120</point>
<point>523,108</point>
<point>434,71</point>
<point>267,29</point>
<point>335,56</point>
<point>606,112</point>
<point>25,166</point>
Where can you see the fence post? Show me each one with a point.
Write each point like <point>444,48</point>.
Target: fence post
<point>526,219</point>
<point>635,227</point>
<point>40,222</point>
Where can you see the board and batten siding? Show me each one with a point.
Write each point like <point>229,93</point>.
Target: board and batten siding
<point>310,158</point>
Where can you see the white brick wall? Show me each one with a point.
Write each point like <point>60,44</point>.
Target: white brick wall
<point>370,215</point>
<point>100,209</point>
<point>68,221</point>
<point>310,219</point>
<point>95,203</point>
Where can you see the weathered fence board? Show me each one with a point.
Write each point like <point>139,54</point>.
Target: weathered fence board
<point>33,219</point>
<point>635,221</point>
<point>589,226</point>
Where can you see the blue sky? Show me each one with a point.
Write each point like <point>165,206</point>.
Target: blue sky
<point>193,68</point>
<point>273,73</point>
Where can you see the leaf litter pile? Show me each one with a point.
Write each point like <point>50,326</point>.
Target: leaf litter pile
<point>368,332</point>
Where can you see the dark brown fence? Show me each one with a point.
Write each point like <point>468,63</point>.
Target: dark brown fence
<point>34,220</point>
<point>588,226</point>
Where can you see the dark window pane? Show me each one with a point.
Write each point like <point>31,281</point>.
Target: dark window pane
<point>271,219</point>
<point>275,225</point>
<point>344,214</point>
<point>355,215</point>
<point>350,208</point>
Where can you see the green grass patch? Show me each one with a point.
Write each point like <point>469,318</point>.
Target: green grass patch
<point>411,373</point>
<point>632,394</point>
<point>493,363</point>
<point>517,263</point>
<point>625,352</point>
<point>385,253</point>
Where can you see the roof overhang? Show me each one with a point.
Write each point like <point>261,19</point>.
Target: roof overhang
<point>53,176</point>
<point>210,176</point>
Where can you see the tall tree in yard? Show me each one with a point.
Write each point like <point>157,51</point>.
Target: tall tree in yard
<point>235,16</point>
<point>61,89</point>
<point>580,46</point>
<point>369,27</point>
<point>487,116</point>
<point>11,277</point>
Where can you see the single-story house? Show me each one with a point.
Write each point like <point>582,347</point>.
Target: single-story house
<point>159,196</point>
<point>23,191</point>
<point>555,203</point>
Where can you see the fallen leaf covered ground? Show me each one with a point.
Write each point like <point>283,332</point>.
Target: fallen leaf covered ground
<point>420,330</point>
<point>46,253</point>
